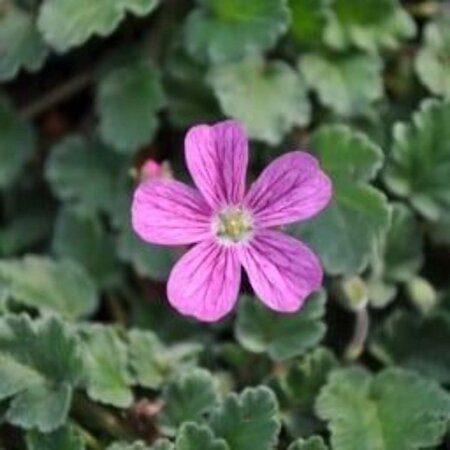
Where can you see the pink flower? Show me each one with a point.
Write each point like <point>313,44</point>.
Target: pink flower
<point>232,228</point>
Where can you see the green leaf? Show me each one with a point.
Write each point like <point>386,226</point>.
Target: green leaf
<point>153,362</point>
<point>84,240</point>
<point>195,437</point>
<point>224,30</point>
<point>64,438</point>
<point>22,45</point>
<point>70,23</point>
<point>344,152</point>
<point>303,379</point>
<point>394,410</point>
<point>27,227</point>
<point>85,175</point>
<point>48,285</point>
<point>312,443</point>
<point>106,360</point>
<point>138,445</point>
<point>41,364</point>
<point>248,420</point>
<point>345,234</point>
<point>300,384</point>
<point>187,398</point>
<point>308,20</point>
<point>432,61</point>
<point>190,100</point>
<point>419,167</point>
<point>402,250</point>
<point>368,24</point>
<point>347,83</point>
<point>148,260</point>
<point>416,343</point>
<point>127,102</point>
<point>16,144</point>
<point>269,98</point>
<point>282,336</point>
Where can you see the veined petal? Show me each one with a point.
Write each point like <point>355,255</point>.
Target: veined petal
<point>291,188</point>
<point>217,158</point>
<point>205,281</point>
<point>282,271</point>
<point>169,212</point>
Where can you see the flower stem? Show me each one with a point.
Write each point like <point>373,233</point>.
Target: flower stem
<point>361,330</point>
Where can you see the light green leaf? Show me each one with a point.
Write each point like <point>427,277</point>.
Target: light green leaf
<point>48,285</point>
<point>84,240</point>
<point>395,410</point>
<point>187,398</point>
<point>224,30</point>
<point>432,61</point>
<point>312,443</point>
<point>419,167</point>
<point>308,20</point>
<point>344,152</point>
<point>127,102</point>
<point>40,365</point>
<point>345,234</point>
<point>368,24</point>
<point>248,420</point>
<point>346,83</point>
<point>282,336</point>
<point>16,144</point>
<point>195,437</point>
<point>153,362</point>
<point>21,43</point>
<point>70,23</point>
<point>269,98</point>
<point>106,360</point>
<point>65,438</point>
<point>416,343</point>
<point>85,174</point>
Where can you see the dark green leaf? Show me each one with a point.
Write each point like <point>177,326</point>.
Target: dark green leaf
<point>127,102</point>
<point>416,343</point>
<point>308,20</point>
<point>282,336</point>
<point>195,437</point>
<point>65,438</point>
<point>16,144</point>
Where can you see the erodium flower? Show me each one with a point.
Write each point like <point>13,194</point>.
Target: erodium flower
<point>231,228</point>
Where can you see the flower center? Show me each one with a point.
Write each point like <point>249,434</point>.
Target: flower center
<point>233,224</point>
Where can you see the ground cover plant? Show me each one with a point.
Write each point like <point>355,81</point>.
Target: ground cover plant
<point>124,325</point>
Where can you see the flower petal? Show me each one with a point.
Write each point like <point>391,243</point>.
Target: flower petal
<point>205,281</point>
<point>282,271</point>
<point>171,213</point>
<point>217,158</point>
<point>291,188</point>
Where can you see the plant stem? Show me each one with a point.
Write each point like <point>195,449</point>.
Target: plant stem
<point>89,439</point>
<point>57,95</point>
<point>99,417</point>
<point>361,330</point>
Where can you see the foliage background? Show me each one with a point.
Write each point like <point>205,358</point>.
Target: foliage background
<point>91,357</point>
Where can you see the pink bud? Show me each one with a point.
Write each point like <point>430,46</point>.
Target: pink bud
<point>153,169</point>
